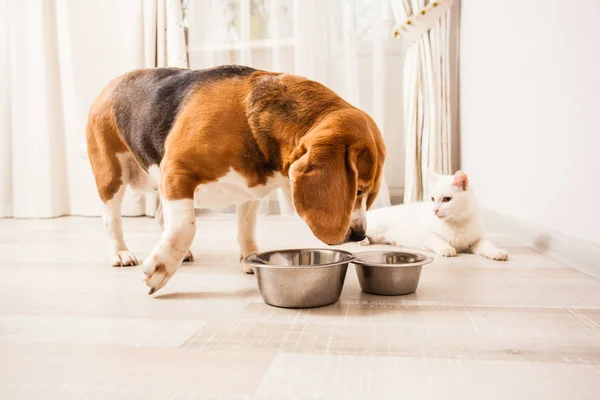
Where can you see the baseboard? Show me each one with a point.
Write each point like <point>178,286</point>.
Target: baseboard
<point>396,195</point>
<point>579,254</point>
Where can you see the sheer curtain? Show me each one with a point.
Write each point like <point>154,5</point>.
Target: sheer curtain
<point>425,32</point>
<point>329,41</point>
<point>32,141</point>
<point>55,57</point>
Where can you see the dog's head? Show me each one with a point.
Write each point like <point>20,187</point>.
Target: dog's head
<point>335,174</point>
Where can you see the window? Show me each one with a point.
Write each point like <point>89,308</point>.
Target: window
<point>265,20</point>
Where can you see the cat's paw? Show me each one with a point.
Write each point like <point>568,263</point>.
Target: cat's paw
<point>499,255</point>
<point>365,242</point>
<point>446,251</point>
<point>377,240</point>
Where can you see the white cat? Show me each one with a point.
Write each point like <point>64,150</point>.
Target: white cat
<point>450,222</point>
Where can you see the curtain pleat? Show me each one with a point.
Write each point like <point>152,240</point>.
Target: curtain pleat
<point>56,56</point>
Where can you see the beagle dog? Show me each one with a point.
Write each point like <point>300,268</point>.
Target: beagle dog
<point>230,135</point>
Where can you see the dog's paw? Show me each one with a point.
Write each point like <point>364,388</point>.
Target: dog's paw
<point>247,250</point>
<point>247,268</point>
<point>189,257</point>
<point>446,251</point>
<point>157,274</point>
<point>123,259</point>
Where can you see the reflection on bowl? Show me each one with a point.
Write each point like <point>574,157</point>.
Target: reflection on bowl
<point>389,272</point>
<point>300,278</point>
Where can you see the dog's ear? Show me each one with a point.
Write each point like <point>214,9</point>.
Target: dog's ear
<point>324,186</point>
<point>378,161</point>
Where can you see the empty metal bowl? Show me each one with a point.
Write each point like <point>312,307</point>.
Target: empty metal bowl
<point>389,273</point>
<point>302,278</point>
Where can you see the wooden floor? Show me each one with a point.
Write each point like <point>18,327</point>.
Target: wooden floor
<point>72,327</point>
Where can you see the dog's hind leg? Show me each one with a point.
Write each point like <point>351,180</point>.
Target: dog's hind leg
<point>110,161</point>
<point>115,176</point>
<point>118,253</point>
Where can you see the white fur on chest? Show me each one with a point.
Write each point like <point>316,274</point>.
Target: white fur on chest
<point>461,237</point>
<point>231,188</point>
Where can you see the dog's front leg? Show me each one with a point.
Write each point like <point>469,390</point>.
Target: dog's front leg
<point>247,214</point>
<point>159,216</point>
<point>177,237</point>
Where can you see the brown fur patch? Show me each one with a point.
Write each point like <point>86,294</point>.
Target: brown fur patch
<point>103,144</point>
<point>210,137</point>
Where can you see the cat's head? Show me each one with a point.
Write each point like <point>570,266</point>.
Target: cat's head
<point>450,197</point>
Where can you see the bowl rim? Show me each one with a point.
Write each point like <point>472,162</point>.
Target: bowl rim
<point>426,259</point>
<point>351,258</point>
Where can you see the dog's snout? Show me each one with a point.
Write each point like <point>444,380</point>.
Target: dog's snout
<point>357,236</point>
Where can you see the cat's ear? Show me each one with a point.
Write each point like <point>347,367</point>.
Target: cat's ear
<point>433,177</point>
<point>461,180</point>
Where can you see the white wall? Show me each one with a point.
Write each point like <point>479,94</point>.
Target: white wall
<point>530,110</point>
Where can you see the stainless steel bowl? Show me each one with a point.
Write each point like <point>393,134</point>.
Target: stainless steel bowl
<point>302,278</point>
<point>389,272</point>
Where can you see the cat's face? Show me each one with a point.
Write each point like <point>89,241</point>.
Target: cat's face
<point>450,197</point>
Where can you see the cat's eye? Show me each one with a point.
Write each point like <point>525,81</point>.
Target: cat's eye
<point>447,199</point>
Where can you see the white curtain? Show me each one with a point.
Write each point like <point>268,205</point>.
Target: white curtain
<point>429,86</point>
<point>32,141</point>
<point>330,41</point>
<point>55,57</point>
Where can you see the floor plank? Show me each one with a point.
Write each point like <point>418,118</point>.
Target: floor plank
<point>72,327</point>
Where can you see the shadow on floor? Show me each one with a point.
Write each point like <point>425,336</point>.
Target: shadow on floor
<point>205,295</point>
